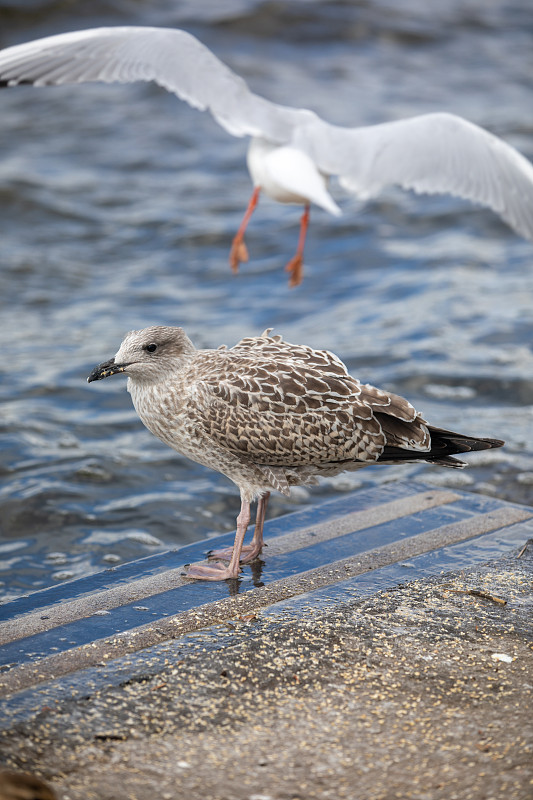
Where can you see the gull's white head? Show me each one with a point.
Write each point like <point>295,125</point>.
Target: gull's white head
<point>148,355</point>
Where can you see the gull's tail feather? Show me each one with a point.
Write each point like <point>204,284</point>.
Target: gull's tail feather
<point>444,446</point>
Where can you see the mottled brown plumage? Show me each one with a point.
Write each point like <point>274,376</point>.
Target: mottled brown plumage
<point>270,415</point>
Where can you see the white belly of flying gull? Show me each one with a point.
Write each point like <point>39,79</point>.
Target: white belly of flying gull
<point>270,415</point>
<point>292,151</point>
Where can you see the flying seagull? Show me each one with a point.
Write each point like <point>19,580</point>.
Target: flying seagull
<point>270,415</point>
<point>292,151</point>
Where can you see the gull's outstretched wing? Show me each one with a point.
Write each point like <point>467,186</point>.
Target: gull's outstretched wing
<point>172,58</point>
<point>432,154</point>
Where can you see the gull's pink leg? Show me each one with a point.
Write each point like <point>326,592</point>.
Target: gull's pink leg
<point>218,572</point>
<point>239,251</point>
<point>256,544</point>
<point>296,264</point>
<point>252,550</point>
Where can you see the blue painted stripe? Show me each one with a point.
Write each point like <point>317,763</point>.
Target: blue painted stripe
<point>160,562</point>
<point>276,567</point>
<point>154,660</point>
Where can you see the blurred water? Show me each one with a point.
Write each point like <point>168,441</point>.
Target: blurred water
<point>118,205</point>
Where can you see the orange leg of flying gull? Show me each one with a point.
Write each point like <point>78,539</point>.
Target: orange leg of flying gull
<point>252,550</point>
<point>296,264</point>
<point>239,251</point>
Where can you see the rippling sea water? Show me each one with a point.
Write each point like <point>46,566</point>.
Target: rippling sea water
<point>118,205</point>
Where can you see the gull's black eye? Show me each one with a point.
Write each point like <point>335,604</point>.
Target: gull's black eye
<point>150,348</point>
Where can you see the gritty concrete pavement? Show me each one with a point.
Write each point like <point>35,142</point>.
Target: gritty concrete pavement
<point>422,691</point>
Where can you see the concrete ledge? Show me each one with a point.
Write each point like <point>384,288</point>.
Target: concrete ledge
<point>368,669</point>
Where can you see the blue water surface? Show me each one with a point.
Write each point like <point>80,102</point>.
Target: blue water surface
<point>118,206</point>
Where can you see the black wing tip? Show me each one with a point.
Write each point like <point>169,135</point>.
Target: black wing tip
<point>461,443</point>
<point>489,444</point>
<point>444,446</point>
<point>469,444</point>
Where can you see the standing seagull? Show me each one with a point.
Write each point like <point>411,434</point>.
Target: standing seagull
<point>270,415</point>
<point>292,151</point>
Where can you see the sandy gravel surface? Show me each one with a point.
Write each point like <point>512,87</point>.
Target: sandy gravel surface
<point>423,692</point>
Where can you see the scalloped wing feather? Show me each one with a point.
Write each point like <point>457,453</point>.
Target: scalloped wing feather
<point>280,404</point>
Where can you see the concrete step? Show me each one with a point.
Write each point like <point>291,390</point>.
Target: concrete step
<point>105,628</point>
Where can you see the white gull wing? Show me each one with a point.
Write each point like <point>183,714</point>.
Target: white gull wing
<point>433,154</point>
<point>172,58</point>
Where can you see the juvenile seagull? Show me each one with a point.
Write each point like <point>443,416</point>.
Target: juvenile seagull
<point>292,151</point>
<point>270,415</point>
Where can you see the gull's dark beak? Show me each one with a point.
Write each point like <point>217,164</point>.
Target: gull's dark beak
<point>105,370</point>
